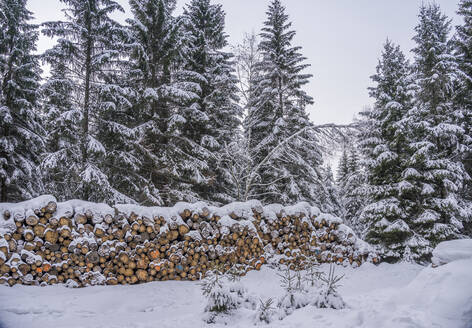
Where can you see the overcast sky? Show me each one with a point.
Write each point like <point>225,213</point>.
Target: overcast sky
<point>342,40</point>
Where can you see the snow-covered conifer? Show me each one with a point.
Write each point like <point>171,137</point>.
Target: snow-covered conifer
<point>434,175</point>
<point>384,146</point>
<point>343,167</point>
<point>266,312</point>
<point>327,295</point>
<point>353,161</point>
<point>163,92</point>
<point>224,295</point>
<point>295,296</point>
<point>116,130</point>
<point>463,99</point>
<point>353,200</point>
<point>330,198</point>
<point>88,49</point>
<point>62,122</point>
<point>277,111</point>
<point>350,184</point>
<point>20,130</point>
<point>212,121</point>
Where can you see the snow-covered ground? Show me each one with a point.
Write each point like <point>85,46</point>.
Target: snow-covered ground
<point>400,295</point>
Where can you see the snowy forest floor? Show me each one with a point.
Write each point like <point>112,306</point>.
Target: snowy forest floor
<point>400,295</point>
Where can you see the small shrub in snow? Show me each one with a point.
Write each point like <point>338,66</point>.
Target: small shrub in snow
<point>295,297</point>
<point>299,281</point>
<point>327,296</point>
<point>265,312</point>
<point>220,299</point>
<point>287,280</point>
<point>224,294</point>
<point>312,275</point>
<point>292,301</point>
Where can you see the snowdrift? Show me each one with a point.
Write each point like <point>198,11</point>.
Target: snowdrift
<point>453,250</point>
<point>440,295</point>
<point>82,243</point>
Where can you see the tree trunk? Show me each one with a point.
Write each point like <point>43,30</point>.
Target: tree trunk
<point>8,103</point>
<point>88,73</point>
<point>3,196</point>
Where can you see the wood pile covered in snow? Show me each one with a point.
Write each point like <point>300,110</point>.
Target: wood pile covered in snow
<point>82,243</point>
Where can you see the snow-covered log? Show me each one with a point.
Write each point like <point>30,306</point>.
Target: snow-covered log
<point>45,242</point>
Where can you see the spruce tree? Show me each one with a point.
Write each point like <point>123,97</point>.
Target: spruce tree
<point>351,183</point>
<point>212,121</point>
<point>276,113</point>
<point>331,198</point>
<point>353,161</point>
<point>385,148</point>
<point>62,119</point>
<point>88,50</point>
<point>116,130</point>
<point>20,130</point>
<point>343,167</point>
<point>463,99</point>
<point>434,174</point>
<point>163,92</point>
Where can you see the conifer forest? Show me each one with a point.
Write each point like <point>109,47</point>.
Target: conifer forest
<point>153,149</point>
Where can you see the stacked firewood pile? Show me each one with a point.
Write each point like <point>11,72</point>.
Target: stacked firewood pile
<point>81,244</point>
<point>300,235</point>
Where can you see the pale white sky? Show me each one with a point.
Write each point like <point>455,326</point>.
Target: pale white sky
<point>342,40</point>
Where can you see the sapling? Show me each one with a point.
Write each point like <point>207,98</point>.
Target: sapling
<point>299,281</point>
<point>265,312</point>
<point>327,295</point>
<point>224,294</point>
<point>312,274</point>
<point>287,280</point>
<point>296,296</point>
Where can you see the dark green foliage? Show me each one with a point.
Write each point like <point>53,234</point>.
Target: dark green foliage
<point>413,145</point>
<point>87,59</point>
<point>343,167</point>
<point>20,129</point>
<point>463,98</point>
<point>162,93</point>
<point>212,121</point>
<point>276,111</point>
<point>384,146</point>
<point>435,173</point>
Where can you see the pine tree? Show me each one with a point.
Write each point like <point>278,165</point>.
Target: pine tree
<point>87,54</point>
<point>343,167</point>
<point>212,121</point>
<point>384,144</point>
<point>353,161</point>
<point>463,99</point>
<point>331,198</point>
<point>116,130</point>
<point>20,129</point>
<point>350,185</point>
<point>163,93</point>
<point>277,112</point>
<point>62,119</point>
<point>435,175</point>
